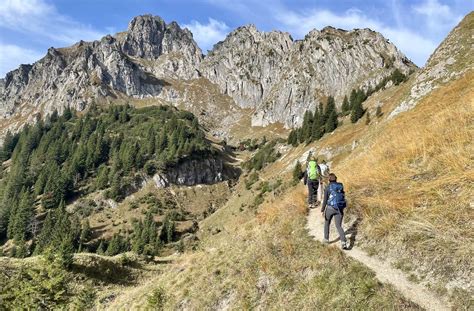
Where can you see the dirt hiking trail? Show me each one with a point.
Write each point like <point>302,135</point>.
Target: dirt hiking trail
<point>384,271</point>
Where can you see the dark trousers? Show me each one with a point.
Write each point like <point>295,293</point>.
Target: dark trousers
<point>312,190</point>
<point>329,213</point>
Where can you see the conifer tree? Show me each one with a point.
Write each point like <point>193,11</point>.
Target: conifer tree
<point>318,127</point>
<point>357,112</point>
<point>102,177</point>
<point>307,126</point>
<point>331,123</point>
<point>297,172</point>
<point>20,249</point>
<point>101,248</point>
<point>20,220</point>
<point>292,138</point>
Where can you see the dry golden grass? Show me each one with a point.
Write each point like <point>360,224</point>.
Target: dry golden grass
<point>264,259</point>
<point>414,182</point>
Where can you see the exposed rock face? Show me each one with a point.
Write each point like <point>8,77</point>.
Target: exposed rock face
<point>283,78</point>
<point>194,172</point>
<point>450,60</point>
<point>267,71</point>
<point>247,63</point>
<point>131,63</point>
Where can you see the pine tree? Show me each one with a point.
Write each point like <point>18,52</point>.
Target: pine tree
<point>20,220</point>
<point>8,146</point>
<point>317,131</point>
<point>20,249</point>
<point>67,114</point>
<point>357,112</point>
<point>85,235</point>
<point>293,138</point>
<point>322,115</point>
<point>102,177</point>
<point>66,253</point>
<point>331,123</point>
<point>398,77</point>
<point>101,248</point>
<point>297,172</point>
<point>307,126</point>
<point>330,107</point>
<point>46,234</point>
<point>115,191</point>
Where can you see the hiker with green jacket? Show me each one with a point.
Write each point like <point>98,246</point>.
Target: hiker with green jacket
<point>311,179</point>
<point>333,207</point>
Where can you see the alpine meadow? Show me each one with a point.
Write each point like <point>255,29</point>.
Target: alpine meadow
<point>328,172</point>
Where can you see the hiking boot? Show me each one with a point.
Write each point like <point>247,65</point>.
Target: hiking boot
<point>325,241</point>
<point>311,205</point>
<point>345,245</point>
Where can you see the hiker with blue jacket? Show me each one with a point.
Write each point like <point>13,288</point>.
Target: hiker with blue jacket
<point>311,179</point>
<point>333,207</point>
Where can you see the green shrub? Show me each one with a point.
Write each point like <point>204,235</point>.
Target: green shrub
<point>157,299</point>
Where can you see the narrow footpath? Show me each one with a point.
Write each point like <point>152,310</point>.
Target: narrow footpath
<point>384,271</point>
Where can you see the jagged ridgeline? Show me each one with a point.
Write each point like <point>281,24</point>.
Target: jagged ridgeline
<point>68,156</point>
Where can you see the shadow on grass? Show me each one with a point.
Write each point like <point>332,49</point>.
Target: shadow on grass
<point>104,270</point>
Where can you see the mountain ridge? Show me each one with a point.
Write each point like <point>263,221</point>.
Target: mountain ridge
<point>137,63</point>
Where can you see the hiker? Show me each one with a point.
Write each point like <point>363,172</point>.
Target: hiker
<point>333,206</point>
<point>323,180</point>
<point>311,179</point>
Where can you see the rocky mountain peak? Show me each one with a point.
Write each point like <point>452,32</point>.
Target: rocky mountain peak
<point>132,63</point>
<point>281,78</point>
<point>267,71</point>
<point>149,37</point>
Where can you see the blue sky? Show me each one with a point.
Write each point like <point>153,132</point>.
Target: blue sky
<point>29,27</point>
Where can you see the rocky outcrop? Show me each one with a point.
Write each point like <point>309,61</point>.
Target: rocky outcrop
<point>449,61</point>
<point>269,72</point>
<point>247,63</point>
<point>133,64</point>
<point>282,78</point>
<point>195,171</point>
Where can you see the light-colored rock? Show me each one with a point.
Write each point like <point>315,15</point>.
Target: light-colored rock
<point>278,77</point>
<point>128,64</point>
<point>282,78</point>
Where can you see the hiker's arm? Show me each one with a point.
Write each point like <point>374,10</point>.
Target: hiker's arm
<point>325,201</point>
<point>305,177</point>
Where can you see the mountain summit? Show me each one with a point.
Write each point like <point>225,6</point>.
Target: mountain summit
<point>269,72</point>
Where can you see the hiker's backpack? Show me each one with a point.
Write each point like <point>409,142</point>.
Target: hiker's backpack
<point>313,171</point>
<point>336,195</point>
<point>324,169</point>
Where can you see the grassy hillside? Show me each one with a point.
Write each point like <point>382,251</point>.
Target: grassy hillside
<point>261,257</point>
<point>413,184</point>
<point>409,181</point>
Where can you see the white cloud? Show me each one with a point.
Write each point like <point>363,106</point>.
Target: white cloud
<point>437,16</point>
<point>206,35</point>
<point>13,55</point>
<point>36,17</point>
<point>414,45</point>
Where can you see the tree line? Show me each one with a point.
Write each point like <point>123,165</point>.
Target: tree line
<point>324,119</point>
<point>67,156</point>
